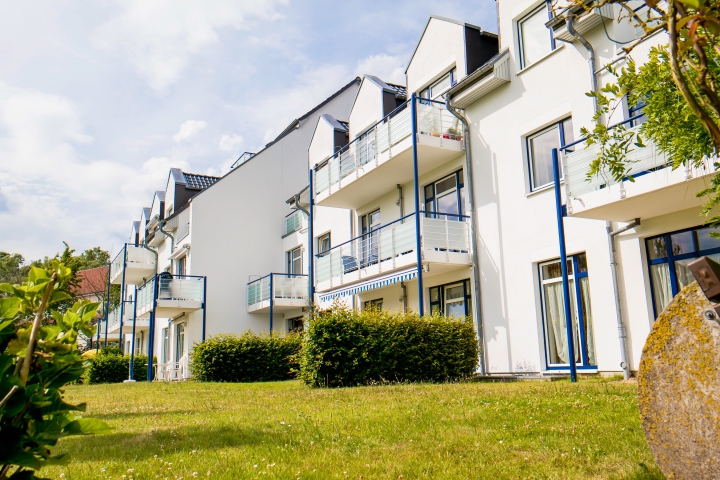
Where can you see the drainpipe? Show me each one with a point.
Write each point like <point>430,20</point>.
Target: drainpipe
<point>569,21</point>
<point>618,310</point>
<point>608,226</point>
<point>477,310</point>
<point>161,223</point>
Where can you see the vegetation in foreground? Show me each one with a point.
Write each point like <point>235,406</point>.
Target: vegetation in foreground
<point>287,430</point>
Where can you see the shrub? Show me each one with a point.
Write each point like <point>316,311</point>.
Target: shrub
<point>114,367</point>
<point>343,347</point>
<point>245,358</point>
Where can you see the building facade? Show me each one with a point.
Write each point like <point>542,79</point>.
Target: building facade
<point>438,196</point>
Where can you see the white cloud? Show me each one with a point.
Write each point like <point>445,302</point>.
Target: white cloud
<point>158,37</point>
<point>189,129</point>
<point>51,191</point>
<point>389,68</point>
<point>230,143</point>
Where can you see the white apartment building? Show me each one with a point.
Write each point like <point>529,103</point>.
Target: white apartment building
<point>436,195</point>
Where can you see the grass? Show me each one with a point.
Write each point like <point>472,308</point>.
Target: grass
<point>286,430</point>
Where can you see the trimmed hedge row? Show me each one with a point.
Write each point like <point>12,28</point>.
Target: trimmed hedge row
<point>245,358</point>
<point>113,367</point>
<point>343,347</point>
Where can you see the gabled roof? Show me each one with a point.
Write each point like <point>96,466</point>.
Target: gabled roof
<point>146,213</point>
<point>399,91</point>
<point>296,123</point>
<point>449,20</point>
<point>92,281</point>
<point>136,226</point>
<point>336,124</point>
<point>194,181</point>
<point>177,175</point>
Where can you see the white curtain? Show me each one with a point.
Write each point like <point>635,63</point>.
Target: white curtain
<point>587,315</point>
<point>662,290</point>
<point>555,312</point>
<point>557,333</point>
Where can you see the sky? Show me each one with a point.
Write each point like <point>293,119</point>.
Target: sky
<point>99,99</point>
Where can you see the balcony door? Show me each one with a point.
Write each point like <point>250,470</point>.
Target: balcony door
<point>295,261</point>
<point>556,345</point>
<point>179,341</point>
<point>445,196</point>
<point>369,224</point>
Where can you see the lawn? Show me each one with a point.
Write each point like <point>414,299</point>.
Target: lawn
<point>286,430</point>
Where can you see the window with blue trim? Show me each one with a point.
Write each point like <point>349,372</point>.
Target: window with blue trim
<point>539,151</point>
<point>452,300</point>
<point>446,195</point>
<point>535,40</point>
<point>668,257</point>
<point>553,310</point>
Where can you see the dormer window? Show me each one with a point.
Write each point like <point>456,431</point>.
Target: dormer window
<point>437,89</point>
<point>169,211</point>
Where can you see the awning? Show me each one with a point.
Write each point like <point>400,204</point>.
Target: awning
<point>370,285</point>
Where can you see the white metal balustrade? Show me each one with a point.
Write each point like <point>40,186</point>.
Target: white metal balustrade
<point>444,239</point>
<point>288,291</point>
<point>294,222</point>
<point>138,263</point>
<point>376,145</point>
<point>577,164</point>
<point>175,294</point>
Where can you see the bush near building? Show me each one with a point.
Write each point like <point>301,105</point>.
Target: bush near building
<point>343,347</point>
<point>113,367</point>
<point>245,358</point>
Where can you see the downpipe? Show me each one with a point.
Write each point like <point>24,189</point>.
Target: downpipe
<point>622,336</point>
<point>477,307</point>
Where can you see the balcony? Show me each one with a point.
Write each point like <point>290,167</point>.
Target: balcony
<point>176,294</point>
<point>137,262</point>
<point>101,331</point>
<point>294,222</point>
<point>657,189</point>
<point>127,323</point>
<point>290,291</point>
<point>445,245</point>
<point>381,158</point>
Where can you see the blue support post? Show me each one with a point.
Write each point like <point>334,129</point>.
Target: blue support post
<point>131,375</point>
<point>271,304</point>
<point>204,307</point>
<point>107,310</point>
<point>563,265</point>
<point>122,300</point>
<point>151,339</point>
<point>418,241</point>
<point>311,245</point>
<point>151,348</point>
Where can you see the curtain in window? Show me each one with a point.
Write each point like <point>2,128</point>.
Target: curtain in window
<point>588,324</point>
<point>662,289</point>
<point>557,334</point>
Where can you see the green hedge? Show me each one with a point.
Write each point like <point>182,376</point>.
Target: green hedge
<point>343,347</point>
<point>245,358</point>
<point>113,367</point>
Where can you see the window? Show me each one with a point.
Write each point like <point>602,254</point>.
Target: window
<point>180,266</point>
<point>169,211</point>
<point>323,243</point>
<point>668,257</point>
<point>294,261</point>
<point>634,112</point>
<point>179,341</point>
<point>376,304</point>
<point>452,300</point>
<point>165,346</point>
<point>295,324</point>
<point>440,86</point>
<point>536,40</point>
<point>539,151</point>
<point>369,244</point>
<point>553,309</point>
<point>446,196</point>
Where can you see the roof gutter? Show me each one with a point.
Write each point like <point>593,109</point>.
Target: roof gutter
<point>477,307</point>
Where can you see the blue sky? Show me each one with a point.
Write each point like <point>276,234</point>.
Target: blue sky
<point>99,99</point>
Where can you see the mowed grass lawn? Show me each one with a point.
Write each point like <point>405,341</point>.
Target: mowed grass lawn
<point>287,430</point>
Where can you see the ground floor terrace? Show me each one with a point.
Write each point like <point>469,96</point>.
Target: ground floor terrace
<point>286,430</point>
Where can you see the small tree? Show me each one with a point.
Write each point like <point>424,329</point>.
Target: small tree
<point>36,362</point>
